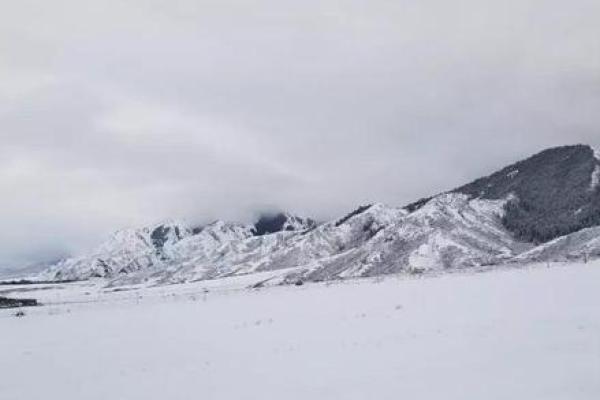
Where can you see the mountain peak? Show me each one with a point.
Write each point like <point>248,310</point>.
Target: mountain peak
<point>554,193</point>
<point>277,222</point>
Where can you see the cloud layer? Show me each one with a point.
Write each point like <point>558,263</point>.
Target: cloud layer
<point>120,113</point>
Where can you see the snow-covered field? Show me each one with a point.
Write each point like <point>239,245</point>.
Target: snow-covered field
<point>529,333</point>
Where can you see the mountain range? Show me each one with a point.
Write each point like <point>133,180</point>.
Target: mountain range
<point>544,208</point>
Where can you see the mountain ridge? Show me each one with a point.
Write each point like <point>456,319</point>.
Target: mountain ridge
<point>517,214</point>
<point>568,175</point>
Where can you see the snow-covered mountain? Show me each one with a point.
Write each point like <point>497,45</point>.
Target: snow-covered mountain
<point>169,248</point>
<point>545,207</point>
<point>126,251</point>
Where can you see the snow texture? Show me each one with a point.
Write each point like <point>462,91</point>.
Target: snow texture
<point>507,334</point>
<point>513,173</point>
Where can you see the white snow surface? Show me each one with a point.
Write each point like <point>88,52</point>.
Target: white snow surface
<point>513,173</point>
<point>530,333</point>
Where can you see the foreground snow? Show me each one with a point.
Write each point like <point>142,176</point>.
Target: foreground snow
<point>507,334</point>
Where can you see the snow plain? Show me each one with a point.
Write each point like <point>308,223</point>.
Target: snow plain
<point>528,333</point>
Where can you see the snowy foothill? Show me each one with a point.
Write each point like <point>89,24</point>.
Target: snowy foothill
<point>510,333</point>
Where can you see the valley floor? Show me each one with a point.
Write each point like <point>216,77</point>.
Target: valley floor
<point>531,333</point>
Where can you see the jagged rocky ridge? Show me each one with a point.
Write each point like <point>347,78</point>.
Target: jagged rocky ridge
<point>544,208</point>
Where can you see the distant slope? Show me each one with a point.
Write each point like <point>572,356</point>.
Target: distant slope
<point>581,245</point>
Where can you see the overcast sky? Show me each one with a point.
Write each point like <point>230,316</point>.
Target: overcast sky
<point>120,113</point>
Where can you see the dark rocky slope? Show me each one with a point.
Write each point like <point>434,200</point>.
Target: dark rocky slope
<point>553,193</point>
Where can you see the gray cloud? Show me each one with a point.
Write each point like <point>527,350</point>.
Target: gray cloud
<point>127,112</point>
